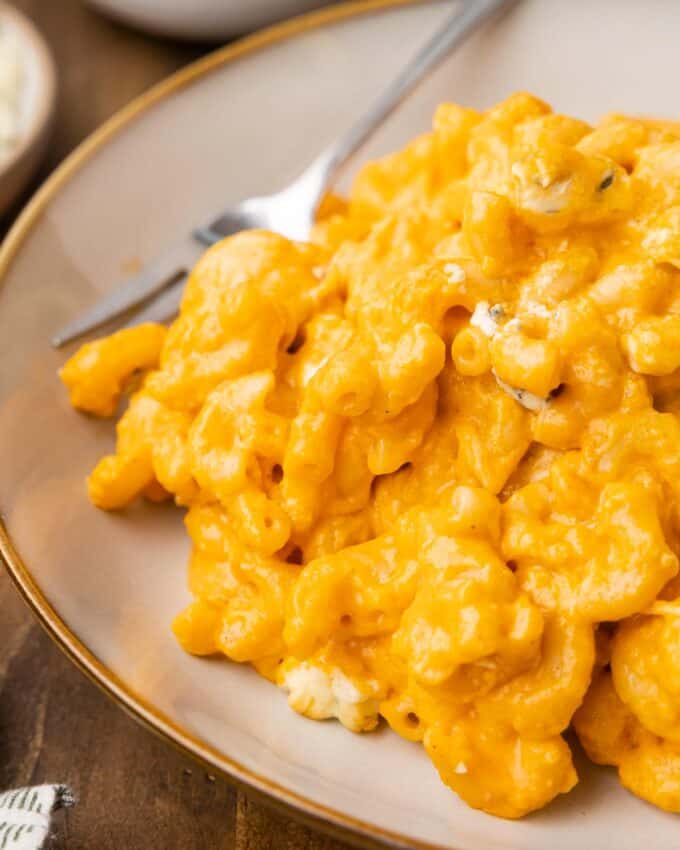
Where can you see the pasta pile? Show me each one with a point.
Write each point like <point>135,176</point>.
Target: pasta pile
<point>431,459</point>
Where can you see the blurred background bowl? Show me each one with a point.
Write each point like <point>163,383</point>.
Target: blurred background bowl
<point>203,20</point>
<point>35,106</point>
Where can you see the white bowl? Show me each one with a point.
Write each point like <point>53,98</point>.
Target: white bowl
<point>36,105</point>
<point>205,20</point>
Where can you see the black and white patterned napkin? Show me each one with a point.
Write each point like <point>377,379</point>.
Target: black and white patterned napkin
<point>25,815</point>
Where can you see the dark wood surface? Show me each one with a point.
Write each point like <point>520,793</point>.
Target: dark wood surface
<point>134,791</point>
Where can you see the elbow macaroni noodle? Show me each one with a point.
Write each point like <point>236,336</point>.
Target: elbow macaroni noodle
<point>431,459</point>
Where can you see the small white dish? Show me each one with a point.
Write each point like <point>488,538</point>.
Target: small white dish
<point>203,20</point>
<point>35,106</point>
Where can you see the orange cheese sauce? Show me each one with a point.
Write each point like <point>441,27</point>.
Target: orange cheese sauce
<point>428,454</point>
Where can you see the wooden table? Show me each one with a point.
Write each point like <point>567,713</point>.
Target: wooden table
<point>134,791</point>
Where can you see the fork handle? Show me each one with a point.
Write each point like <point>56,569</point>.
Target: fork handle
<point>454,30</point>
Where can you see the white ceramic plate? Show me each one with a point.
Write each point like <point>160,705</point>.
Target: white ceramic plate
<point>107,585</point>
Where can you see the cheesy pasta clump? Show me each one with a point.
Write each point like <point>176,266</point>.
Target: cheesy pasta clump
<point>431,459</point>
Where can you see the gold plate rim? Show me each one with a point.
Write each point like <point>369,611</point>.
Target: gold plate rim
<point>316,814</point>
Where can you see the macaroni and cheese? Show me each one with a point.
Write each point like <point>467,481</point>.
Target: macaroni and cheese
<point>431,459</point>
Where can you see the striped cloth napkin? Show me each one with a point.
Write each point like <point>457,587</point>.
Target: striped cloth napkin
<point>25,815</point>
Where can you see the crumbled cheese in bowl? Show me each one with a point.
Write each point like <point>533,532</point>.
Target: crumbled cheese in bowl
<point>12,85</point>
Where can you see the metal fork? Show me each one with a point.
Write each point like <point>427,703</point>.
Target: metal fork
<point>158,288</point>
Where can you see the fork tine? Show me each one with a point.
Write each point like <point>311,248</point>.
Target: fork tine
<point>163,308</point>
<point>206,235</point>
<point>247,215</point>
<point>167,268</point>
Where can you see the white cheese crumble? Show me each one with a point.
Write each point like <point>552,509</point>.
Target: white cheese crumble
<point>487,319</point>
<point>11,90</point>
<point>321,695</point>
<point>543,195</point>
<point>454,273</point>
<point>483,319</point>
<point>526,399</point>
